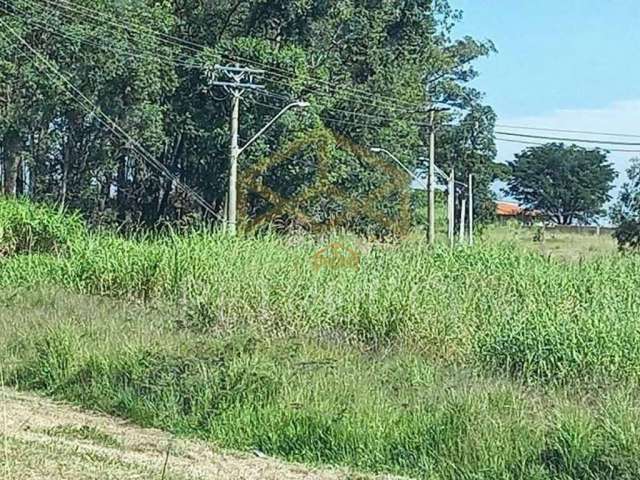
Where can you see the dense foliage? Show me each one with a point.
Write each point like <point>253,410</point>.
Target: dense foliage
<point>625,214</point>
<point>29,228</point>
<point>566,183</point>
<point>369,69</point>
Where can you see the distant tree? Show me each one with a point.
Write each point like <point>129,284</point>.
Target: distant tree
<point>468,147</point>
<point>625,214</point>
<point>564,182</point>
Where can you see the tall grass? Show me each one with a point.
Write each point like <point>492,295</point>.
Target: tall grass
<point>29,228</point>
<point>427,362</point>
<point>314,401</point>
<point>501,308</point>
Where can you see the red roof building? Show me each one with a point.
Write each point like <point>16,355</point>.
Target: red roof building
<point>508,209</point>
<point>511,210</point>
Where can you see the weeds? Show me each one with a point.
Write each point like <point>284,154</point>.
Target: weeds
<point>310,401</point>
<point>426,362</point>
<point>500,308</point>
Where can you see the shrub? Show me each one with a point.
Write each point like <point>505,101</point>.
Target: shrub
<point>26,228</point>
<point>628,235</point>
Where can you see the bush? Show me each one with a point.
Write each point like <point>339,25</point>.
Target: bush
<point>30,228</point>
<point>628,235</point>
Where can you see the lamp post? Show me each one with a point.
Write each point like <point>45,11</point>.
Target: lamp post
<point>236,151</point>
<point>432,173</point>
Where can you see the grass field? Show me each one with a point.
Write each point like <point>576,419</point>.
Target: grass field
<point>556,244</point>
<point>492,362</point>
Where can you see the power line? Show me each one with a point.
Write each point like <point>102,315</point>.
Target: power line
<point>438,170</point>
<point>357,114</point>
<point>110,123</point>
<point>324,117</point>
<point>364,96</point>
<point>525,142</point>
<point>563,139</point>
<point>128,52</point>
<point>130,26</point>
<point>361,96</point>
<point>393,102</point>
<point>559,130</point>
<point>195,47</point>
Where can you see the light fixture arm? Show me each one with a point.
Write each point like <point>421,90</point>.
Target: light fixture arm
<point>271,122</point>
<point>402,165</point>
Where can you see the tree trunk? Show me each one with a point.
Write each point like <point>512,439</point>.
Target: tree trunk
<point>11,164</point>
<point>122,189</point>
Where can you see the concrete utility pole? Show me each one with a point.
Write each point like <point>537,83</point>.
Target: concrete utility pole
<point>471,209</point>
<point>463,211</point>
<point>432,172</point>
<point>233,166</point>
<point>432,179</point>
<point>452,208</point>
<point>241,80</point>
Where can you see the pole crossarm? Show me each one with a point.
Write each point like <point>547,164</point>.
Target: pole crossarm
<point>239,85</point>
<point>242,70</point>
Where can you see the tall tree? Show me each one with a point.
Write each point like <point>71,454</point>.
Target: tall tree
<point>370,70</point>
<point>625,213</point>
<point>567,183</point>
<point>468,147</point>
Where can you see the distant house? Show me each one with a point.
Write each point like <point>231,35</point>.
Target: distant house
<point>513,211</point>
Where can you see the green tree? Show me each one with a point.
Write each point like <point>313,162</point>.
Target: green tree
<point>67,155</point>
<point>468,147</point>
<point>625,213</point>
<point>370,70</point>
<point>566,183</point>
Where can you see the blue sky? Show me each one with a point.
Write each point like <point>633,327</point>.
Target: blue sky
<point>567,64</point>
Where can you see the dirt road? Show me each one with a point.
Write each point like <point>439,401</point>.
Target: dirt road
<point>40,439</point>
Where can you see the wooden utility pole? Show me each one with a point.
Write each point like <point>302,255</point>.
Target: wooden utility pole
<point>452,208</point>
<point>470,209</point>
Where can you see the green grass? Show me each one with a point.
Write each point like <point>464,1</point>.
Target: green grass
<point>571,246</point>
<point>492,362</point>
<point>497,307</point>
<point>29,228</point>
<point>315,401</point>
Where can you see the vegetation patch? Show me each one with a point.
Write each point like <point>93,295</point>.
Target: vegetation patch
<point>84,432</point>
<point>29,228</point>
<point>432,363</point>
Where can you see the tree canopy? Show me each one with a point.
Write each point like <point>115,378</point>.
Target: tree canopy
<point>369,69</point>
<point>625,213</point>
<point>567,183</point>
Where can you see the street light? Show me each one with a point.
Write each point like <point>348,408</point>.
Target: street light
<point>298,104</point>
<point>236,151</point>
<point>402,165</point>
